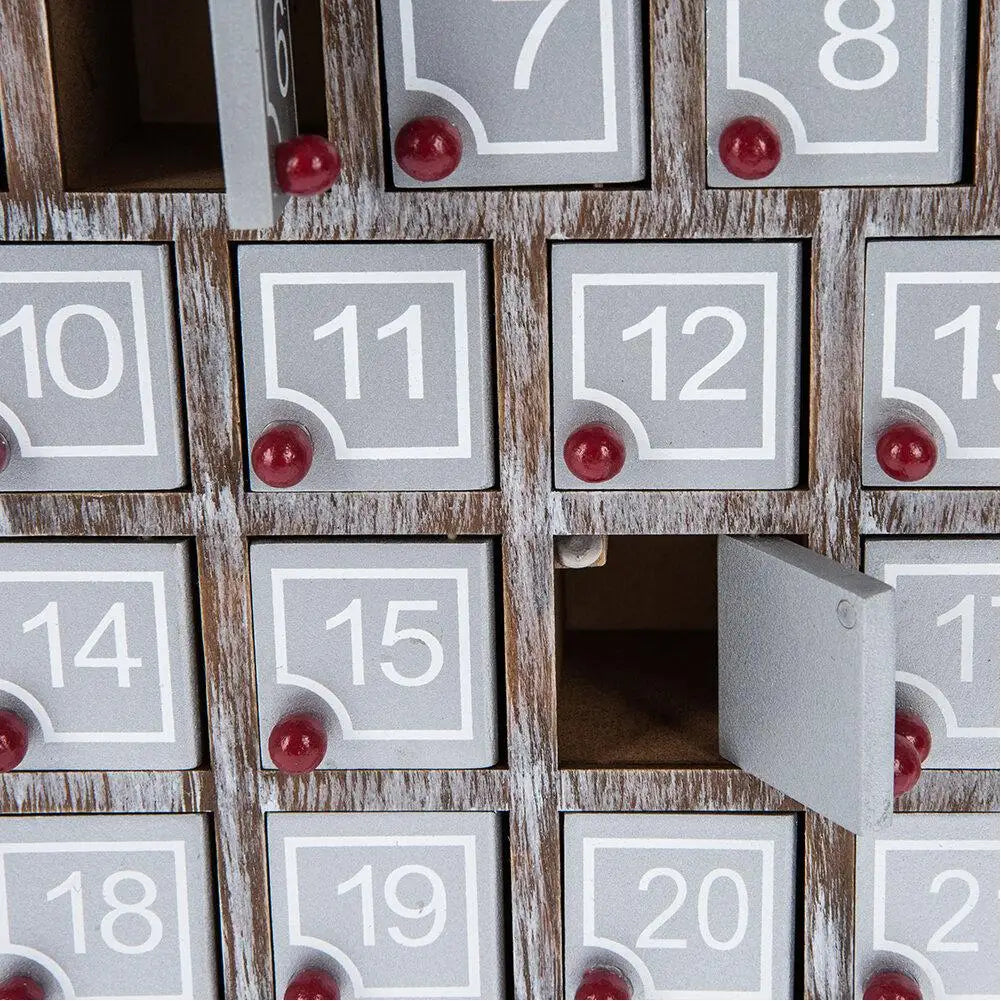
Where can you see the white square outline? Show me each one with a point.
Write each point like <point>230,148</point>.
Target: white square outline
<point>590,845</point>
<point>888,388</point>
<point>880,848</point>
<point>284,676</point>
<point>156,580</point>
<point>177,848</point>
<point>768,281</point>
<point>466,842</point>
<point>273,391</point>
<point>609,143</point>
<point>891,572</point>
<point>930,144</point>
<point>134,279</point>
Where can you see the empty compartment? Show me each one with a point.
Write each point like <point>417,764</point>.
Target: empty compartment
<point>135,95</point>
<point>637,655</point>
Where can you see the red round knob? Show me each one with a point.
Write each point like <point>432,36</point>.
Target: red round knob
<point>602,982</point>
<point>307,165</point>
<point>283,454</point>
<point>14,737</point>
<point>4,452</point>
<point>891,986</point>
<point>906,765</point>
<point>312,985</point>
<point>914,729</point>
<point>595,453</point>
<point>907,452</point>
<point>22,988</point>
<point>297,744</point>
<point>428,149</point>
<point>750,148</point>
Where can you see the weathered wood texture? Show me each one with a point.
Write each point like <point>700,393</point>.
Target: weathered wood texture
<point>831,510</point>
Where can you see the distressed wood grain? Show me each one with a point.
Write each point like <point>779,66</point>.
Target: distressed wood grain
<point>830,509</point>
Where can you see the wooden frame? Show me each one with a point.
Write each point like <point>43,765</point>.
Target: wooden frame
<point>832,511</point>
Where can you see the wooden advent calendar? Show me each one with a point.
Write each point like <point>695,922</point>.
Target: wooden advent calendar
<point>629,711</point>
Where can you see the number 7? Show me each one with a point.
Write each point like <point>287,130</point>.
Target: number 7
<point>533,42</point>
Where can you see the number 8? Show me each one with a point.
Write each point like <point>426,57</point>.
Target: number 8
<point>873,34</point>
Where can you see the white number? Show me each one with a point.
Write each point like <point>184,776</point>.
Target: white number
<point>533,41</point>
<point>346,323</point>
<point>410,321</point>
<point>742,910</point>
<point>121,662</point>
<point>24,321</point>
<point>964,612</point>
<point>873,34</point>
<point>969,323</point>
<point>281,47</point>
<point>436,906</point>
<point>352,614</point>
<point>647,938</point>
<point>114,619</point>
<point>49,617</point>
<point>391,635</point>
<point>73,885</point>
<point>363,880</point>
<point>656,324</point>
<point>937,942</point>
<point>140,908</point>
<point>692,390</point>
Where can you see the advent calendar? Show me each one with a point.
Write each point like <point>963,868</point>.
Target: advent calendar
<point>499,499</point>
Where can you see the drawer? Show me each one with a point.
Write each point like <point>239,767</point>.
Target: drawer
<point>946,594</point>
<point>381,353</point>
<point>391,905</point>
<point>869,94</point>
<point>501,88</point>
<point>682,905</point>
<point>931,363</point>
<point>90,398</point>
<point>100,663</point>
<point>687,355</point>
<point>926,904</point>
<point>390,646</point>
<point>108,906</point>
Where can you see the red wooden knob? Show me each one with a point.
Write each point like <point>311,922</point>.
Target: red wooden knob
<point>283,454</point>
<point>23,988</point>
<point>891,986</point>
<point>906,765</point>
<point>603,983</point>
<point>595,453</point>
<point>312,985</point>
<point>428,149</point>
<point>14,737</point>
<point>913,727</point>
<point>4,452</point>
<point>307,165</point>
<point>906,451</point>
<point>750,148</point>
<point>297,744</point>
